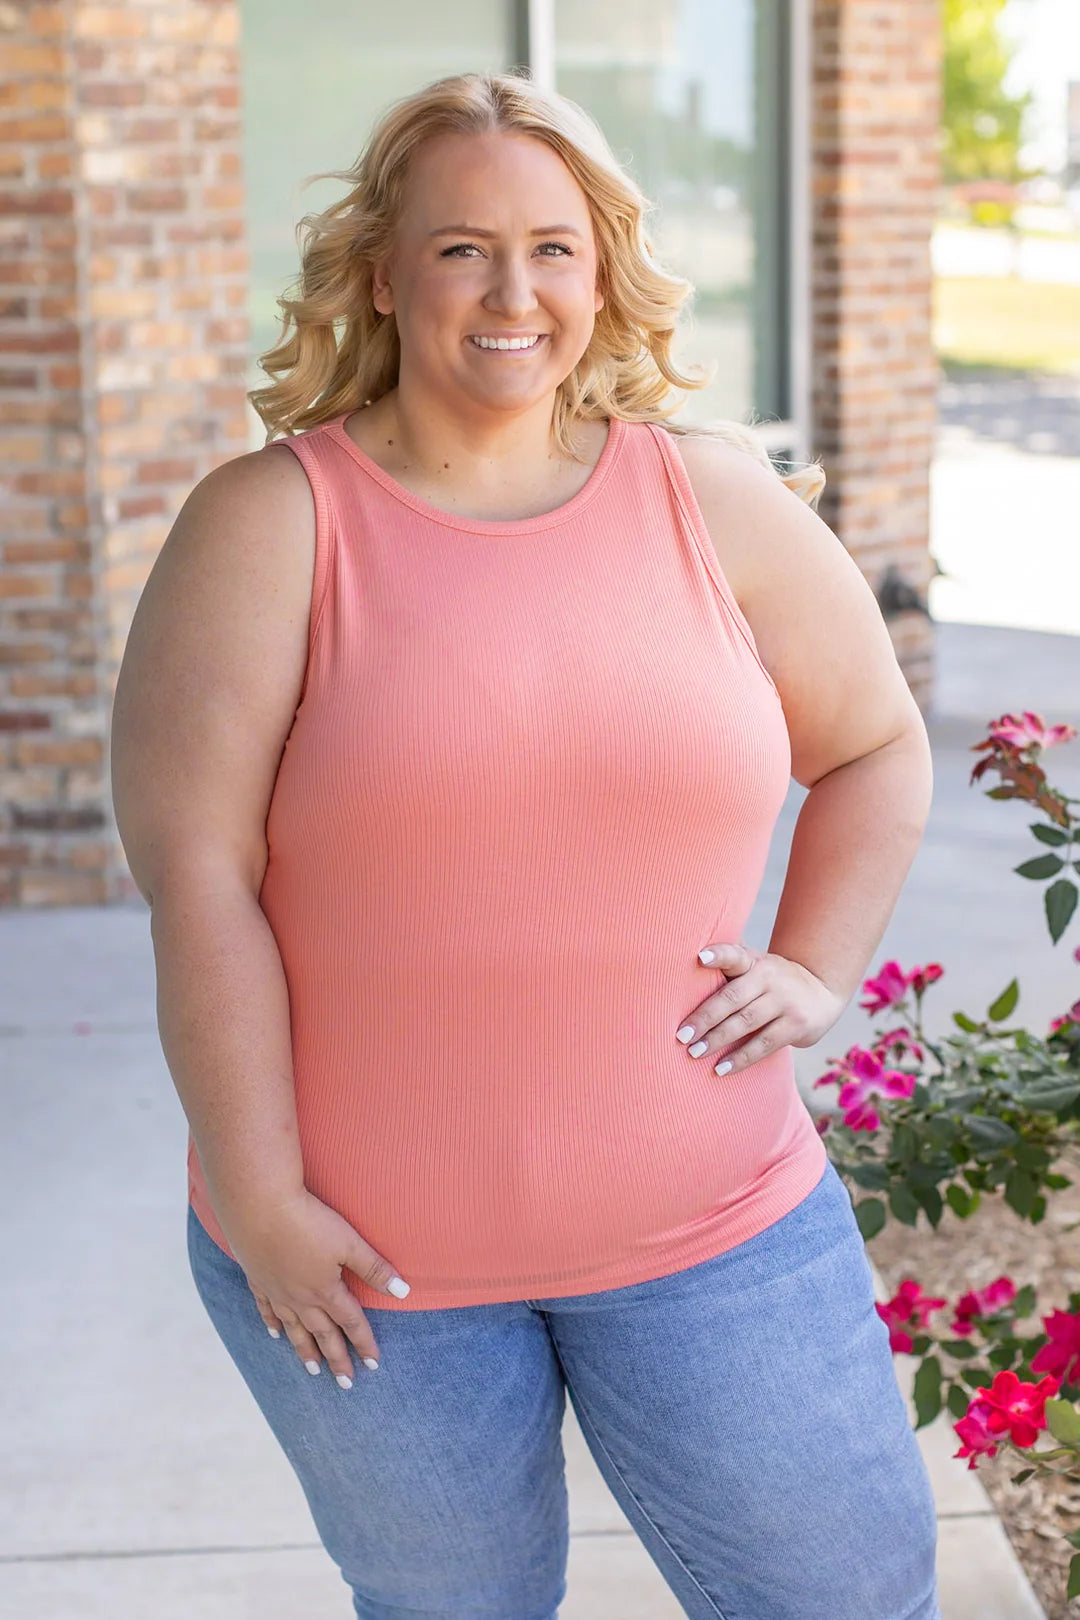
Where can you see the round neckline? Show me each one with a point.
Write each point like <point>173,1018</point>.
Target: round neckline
<point>451,520</point>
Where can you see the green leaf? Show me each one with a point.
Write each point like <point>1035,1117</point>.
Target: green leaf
<point>1043,866</point>
<point>1073,1588</point>
<point>958,1401</point>
<point>967,1023</point>
<point>964,1099</point>
<point>870,1216</point>
<point>1047,834</point>
<point>903,1205</point>
<point>930,1199</point>
<point>1003,1006</point>
<point>988,1131</point>
<point>1048,1096</point>
<point>941,1131</point>
<point>927,1391</point>
<point>1057,1183</point>
<point>1060,900</point>
<point>960,1201</point>
<point>1020,1190</point>
<point>1063,1421</point>
<point>960,1349</point>
<point>904,1145</point>
<point>875,1177</point>
<point>1025,1473</point>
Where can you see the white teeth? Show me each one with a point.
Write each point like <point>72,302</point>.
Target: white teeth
<point>506,343</point>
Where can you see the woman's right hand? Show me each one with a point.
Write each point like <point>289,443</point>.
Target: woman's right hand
<point>292,1254</point>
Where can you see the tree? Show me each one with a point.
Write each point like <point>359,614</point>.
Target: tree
<point>983,125</point>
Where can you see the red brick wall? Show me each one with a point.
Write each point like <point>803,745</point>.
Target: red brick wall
<point>123,350</point>
<point>876,115</point>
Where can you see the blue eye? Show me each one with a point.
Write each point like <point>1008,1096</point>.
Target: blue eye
<point>446,252</point>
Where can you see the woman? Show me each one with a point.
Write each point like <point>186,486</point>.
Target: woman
<point>449,739</point>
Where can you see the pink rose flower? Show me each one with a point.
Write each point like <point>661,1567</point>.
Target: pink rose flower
<point>908,1304</point>
<point>1018,1408</point>
<point>982,1302</point>
<point>1029,730</point>
<point>1060,1354</point>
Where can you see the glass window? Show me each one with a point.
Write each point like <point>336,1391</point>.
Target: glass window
<point>691,96</point>
<point>313,85</point>
<point>690,93</point>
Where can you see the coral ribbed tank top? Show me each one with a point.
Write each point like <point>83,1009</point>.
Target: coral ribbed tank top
<point>535,769</point>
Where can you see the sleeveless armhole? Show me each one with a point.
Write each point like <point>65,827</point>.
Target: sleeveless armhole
<point>695,522</point>
<point>325,540</point>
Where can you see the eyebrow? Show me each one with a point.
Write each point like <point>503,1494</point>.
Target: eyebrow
<point>475,230</point>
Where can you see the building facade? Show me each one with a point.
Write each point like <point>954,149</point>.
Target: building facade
<point>152,154</point>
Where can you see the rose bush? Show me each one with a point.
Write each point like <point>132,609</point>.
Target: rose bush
<point>922,1122</point>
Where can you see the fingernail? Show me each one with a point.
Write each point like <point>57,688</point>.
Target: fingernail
<point>369,1361</point>
<point>685,1033</point>
<point>398,1286</point>
<point>722,1068</point>
<point>344,1381</point>
<point>697,1048</point>
<point>706,955</point>
<point>275,1333</point>
<point>312,1367</point>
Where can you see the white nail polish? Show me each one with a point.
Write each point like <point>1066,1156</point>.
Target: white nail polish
<point>685,1033</point>
<point>398,1286</point>
<point>312,1367</point>
<point>706,955</point>
<point>275,1333</point>
<point>344,1381</point>
<point>369,1361</point>
<point>697,1048</point>
<point>722,1068</point>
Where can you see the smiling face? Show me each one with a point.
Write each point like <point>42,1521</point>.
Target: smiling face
<point>525,266</point>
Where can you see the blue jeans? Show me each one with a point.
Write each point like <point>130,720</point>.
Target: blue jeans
<point>744,1412</point>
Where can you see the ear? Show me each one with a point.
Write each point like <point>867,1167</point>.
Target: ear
<point>382,294</point>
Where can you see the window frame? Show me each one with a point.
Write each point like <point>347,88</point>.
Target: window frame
<point>790,437</point>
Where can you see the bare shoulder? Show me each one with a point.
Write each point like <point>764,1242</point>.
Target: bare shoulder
<point>212,670</point>
<point>718,475</point>
<point>814,619</point>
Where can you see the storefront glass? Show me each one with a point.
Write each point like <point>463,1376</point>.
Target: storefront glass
<point>689,93</point>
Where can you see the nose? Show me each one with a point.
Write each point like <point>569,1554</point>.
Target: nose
<point>511,291</point>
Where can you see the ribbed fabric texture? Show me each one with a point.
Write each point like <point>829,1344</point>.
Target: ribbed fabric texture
<point>535,769</point>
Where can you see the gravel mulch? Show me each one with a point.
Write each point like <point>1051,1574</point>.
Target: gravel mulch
<point>971,1253</point>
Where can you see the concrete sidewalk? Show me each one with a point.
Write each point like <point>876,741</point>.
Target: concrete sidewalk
<point>139,1478</point>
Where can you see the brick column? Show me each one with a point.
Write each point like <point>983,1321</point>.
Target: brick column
<point>876,93</point>
<point>123,354</point>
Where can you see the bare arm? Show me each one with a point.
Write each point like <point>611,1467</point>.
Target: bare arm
<point>858,743</point>
<point>205,700</point>
<point>858,740</point>
<point>223,1019</point>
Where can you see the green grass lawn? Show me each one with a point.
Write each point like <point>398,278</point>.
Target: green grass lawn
<point>1003,321</point>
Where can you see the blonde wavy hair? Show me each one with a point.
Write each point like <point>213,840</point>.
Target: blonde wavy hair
<point>344,353</point>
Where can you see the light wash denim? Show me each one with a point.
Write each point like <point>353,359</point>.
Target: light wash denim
<point>744,1412</point>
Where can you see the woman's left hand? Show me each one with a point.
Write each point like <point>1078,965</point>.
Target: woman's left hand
<point>768,1002</point>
